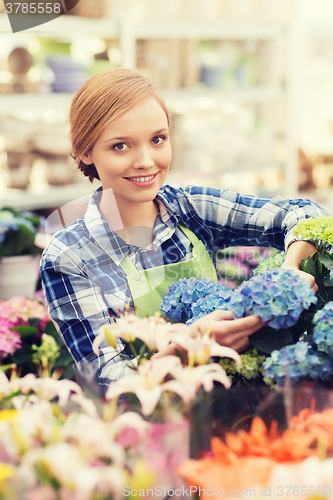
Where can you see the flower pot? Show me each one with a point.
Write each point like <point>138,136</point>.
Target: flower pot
<point>18,276</point>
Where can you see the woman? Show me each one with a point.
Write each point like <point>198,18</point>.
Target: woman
<point>139,235</point>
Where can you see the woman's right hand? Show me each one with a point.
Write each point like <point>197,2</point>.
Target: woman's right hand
<point>226,330</point>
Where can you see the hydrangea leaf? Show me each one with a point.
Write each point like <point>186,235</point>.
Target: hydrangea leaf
<point>25,331</point>
<point>309,266</point>
<point>326,261</point>
<point>268,340</point>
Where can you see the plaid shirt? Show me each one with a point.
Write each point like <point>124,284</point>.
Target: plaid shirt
<point>85,287</point>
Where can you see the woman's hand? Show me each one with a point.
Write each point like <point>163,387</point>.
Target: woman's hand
<point>298,251</point>
<point>226,330</point>
<point>308,277</point>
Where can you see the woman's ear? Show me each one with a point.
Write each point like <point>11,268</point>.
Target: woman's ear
<point>86,158</point>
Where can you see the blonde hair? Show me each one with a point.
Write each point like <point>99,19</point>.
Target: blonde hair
<point>99,101</point>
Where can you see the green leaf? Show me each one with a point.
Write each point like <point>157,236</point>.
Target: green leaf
<point>51,330</point>
<point>326,261</point>
<point>24,331</point>
<point>309,266</point>
<point>22,355</point>
<point>267,339</point>
<point>7,367</point>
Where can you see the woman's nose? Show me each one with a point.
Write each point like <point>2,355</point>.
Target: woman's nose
<point>143,158</point>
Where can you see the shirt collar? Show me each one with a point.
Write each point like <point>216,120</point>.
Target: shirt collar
<point>111,243</point>
<point>114,246</point>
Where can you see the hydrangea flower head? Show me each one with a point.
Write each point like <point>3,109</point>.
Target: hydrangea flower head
<point>297,361</point>
<point>9,339</point>
<point>277,296</point>
<point>323,330</point>
<point>319,230</point>
<point>275,261</point>
<point>192,298</point>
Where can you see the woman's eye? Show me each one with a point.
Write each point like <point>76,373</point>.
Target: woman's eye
<point>158,139</point>
<point>119,147</point>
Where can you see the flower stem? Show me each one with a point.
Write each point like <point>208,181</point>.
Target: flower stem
<point>135,354</point>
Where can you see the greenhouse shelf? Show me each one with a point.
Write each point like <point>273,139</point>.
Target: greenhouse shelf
<point>192,96</point>
<point>47,197</point>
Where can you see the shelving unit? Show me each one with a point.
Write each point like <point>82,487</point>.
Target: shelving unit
<point>44,197</point>
<point>128,32</point>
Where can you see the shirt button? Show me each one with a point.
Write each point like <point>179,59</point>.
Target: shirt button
<point>137,277</point>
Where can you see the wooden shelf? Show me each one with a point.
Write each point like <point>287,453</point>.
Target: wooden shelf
<point>197,97</point>
<point>45,197</point>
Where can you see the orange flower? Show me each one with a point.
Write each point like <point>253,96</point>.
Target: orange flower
<point>246,459</point>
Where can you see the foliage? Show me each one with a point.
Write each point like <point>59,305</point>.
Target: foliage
<point>18,232</point>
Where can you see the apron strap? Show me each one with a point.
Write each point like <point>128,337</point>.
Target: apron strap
<point>127,266</point>
<point>189,234</point>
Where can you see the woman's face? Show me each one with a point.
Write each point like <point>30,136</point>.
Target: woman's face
<point>133,154</point>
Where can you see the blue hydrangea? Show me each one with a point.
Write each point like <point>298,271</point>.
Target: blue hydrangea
<point>190,299</point>
<point>278,296</point>
<point>297,361</point>
<point>8,222</point>
<point>323,330</point>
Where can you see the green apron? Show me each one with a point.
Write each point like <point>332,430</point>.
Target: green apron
<point>149,286</point>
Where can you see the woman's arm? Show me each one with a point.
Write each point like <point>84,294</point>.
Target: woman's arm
<point>78,309</point>
<point>298,251</point>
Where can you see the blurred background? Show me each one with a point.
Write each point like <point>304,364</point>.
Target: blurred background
<point>249,83</point>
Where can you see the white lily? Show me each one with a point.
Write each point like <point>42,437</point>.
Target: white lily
<point>202,347</point>
<point>154,331</point>
<point>147,383</point>
<point>91,436</point>
<point>188,380</point>
<point>64,462</point>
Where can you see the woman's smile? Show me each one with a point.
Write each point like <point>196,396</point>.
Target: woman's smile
<point>143,181</point>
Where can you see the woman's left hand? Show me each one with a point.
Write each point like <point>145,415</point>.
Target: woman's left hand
<point>308,277</point>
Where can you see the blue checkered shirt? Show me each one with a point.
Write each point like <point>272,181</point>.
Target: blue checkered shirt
<point>85,287</point>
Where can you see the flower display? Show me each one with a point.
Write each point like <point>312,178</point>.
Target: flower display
<point>28,337</point>
<point>49,452</point>
<point>189,298</point>
<point>152,376</point>
<point>278,296</point>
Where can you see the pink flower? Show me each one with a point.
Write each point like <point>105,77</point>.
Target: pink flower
<point>9,340</point>
<point>19,310</point>
<point>42,493</point>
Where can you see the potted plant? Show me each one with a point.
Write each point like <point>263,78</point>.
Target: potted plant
<point>19,254</point>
